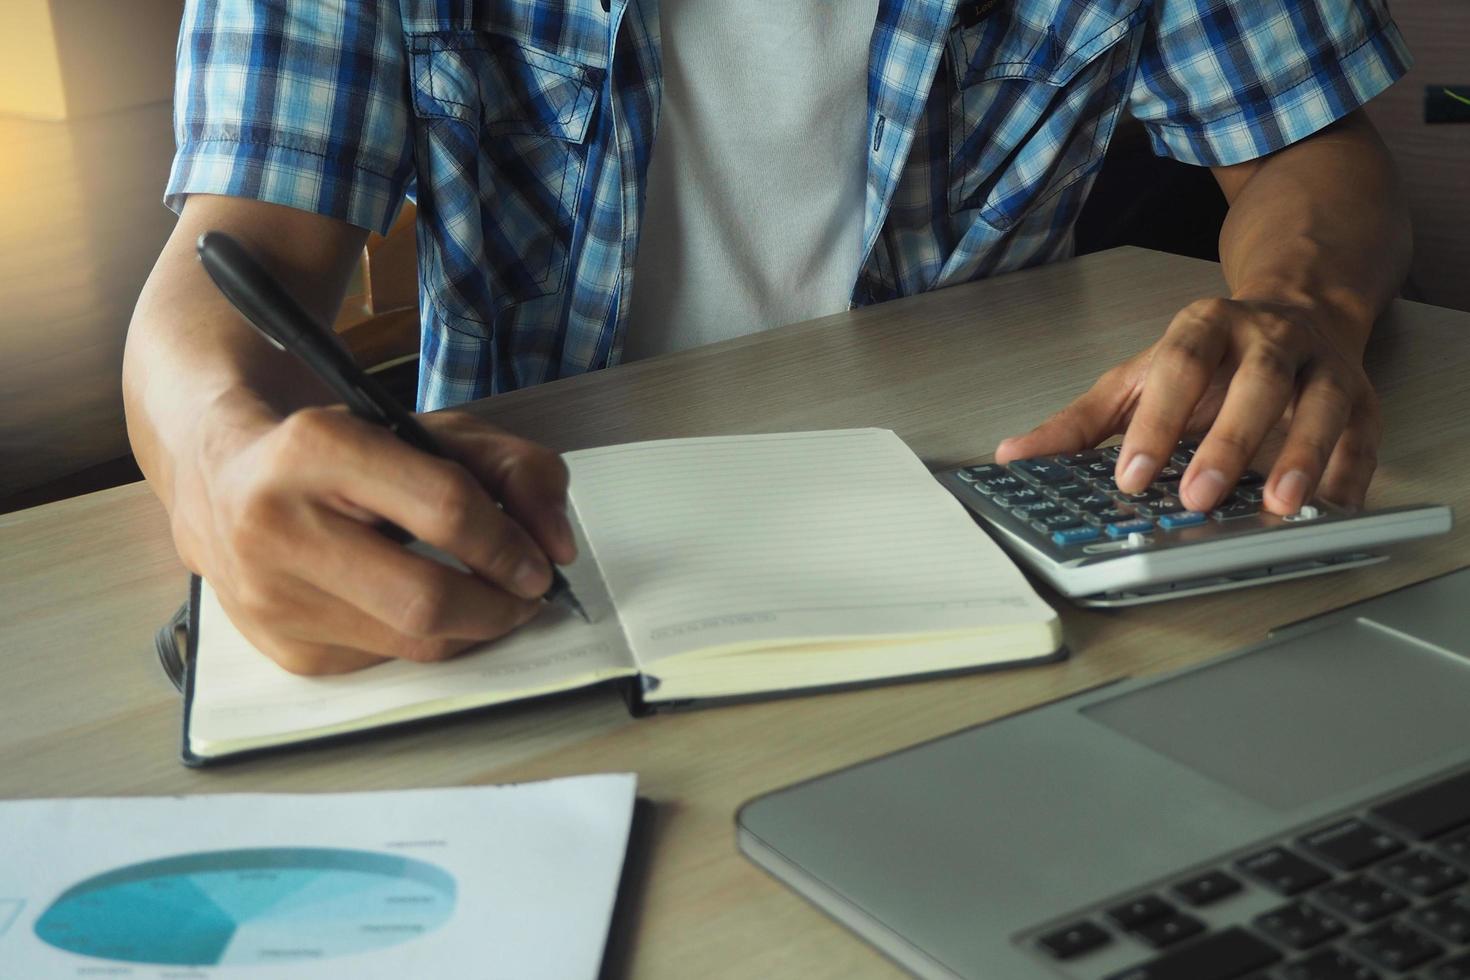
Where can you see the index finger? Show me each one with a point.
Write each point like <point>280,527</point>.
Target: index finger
<point>529,479</point>
<point>1179,373</point>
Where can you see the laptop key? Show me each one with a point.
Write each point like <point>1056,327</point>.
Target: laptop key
<point>1448,919</point>
<point>1422,874</point>
<point>1455,969</point>
<point>1394,946</point>
<point>1207,889</point>
<point>1361,899</point>
<point>1074,940</point>
<point>1282,871</point>
<point>1169,930</point>
<point>1350,844</point>
<point>1329,964</point>
<point>1456,847</point>
<point>1298,925</point>
<point>1226,955</point>
<point>1430,811</point>
<point>1134,913</point>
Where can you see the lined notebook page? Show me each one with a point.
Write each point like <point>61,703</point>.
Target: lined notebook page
<point>754,541</point>
<point>241,698</point>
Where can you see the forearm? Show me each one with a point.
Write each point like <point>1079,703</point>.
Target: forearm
<point>193,371</point>
<point>1322,223</point>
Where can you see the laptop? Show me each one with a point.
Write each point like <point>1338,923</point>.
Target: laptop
<point>1296,810</point>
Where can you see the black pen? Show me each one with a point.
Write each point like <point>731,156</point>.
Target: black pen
<point>288,327</point>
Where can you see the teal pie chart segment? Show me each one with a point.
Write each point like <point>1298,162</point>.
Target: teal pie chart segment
<point>247,907</point>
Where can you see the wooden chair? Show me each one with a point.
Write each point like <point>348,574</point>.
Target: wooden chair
<point>379,320</point>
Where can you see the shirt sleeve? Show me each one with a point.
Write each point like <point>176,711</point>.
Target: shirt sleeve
<point>1225,81</point>
<point>295,102</point>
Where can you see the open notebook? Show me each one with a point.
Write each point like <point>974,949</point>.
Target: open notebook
<point>711,568</point>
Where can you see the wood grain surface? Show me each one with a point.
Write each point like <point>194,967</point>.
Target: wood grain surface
<point>83,583</point>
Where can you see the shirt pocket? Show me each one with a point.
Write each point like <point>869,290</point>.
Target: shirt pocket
<point>1037,88</point>
<point>501,153</point>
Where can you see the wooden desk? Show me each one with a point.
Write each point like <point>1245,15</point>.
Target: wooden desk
<point>83,583</point>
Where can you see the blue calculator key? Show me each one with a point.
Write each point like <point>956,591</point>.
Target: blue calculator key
<point>1076,535</point>
<point>1187,518</point>
<point>1124,528</point>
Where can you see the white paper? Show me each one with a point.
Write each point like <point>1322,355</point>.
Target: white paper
<point>497,881</point>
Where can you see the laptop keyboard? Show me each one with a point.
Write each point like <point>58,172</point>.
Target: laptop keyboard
<point>1384,893</point>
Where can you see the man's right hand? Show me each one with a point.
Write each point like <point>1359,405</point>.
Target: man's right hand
<point>279,517</point>
<point>275,499</point>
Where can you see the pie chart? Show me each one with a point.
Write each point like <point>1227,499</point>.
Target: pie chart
<point>245,907</point>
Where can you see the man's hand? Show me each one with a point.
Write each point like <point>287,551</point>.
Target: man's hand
<point>1235,368</point>
<point>279,516</point>
<point>1316,242</point>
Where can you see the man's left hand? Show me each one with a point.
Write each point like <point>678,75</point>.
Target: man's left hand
<point>1229,370</point>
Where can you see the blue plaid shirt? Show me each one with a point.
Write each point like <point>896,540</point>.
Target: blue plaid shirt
<point>523,128</point>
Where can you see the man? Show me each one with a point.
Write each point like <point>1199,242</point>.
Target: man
<point>809,155</point>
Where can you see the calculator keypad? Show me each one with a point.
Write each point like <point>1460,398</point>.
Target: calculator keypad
<point>1072,500</point>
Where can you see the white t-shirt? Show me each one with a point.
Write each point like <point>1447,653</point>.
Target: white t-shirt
<point>754,213</point>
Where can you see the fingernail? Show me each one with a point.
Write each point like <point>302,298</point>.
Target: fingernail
<point>530,579</point>
<point>1292,488</point>
<point>1207,489</point>
<point>1136,473</point>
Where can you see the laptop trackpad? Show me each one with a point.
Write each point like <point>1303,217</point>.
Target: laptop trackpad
<point>1316,715</point>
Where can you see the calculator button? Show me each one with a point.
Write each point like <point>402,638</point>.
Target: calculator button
<point>1092,502</point>
<point>1030,512</point>
<point>1096,471</point>
<point>986,472</point>
<point>1041,471</point>
<point>1080,459</point>
<point>1143,496</point>
<point>1068,490</point>
<point>1111,452</point>
<point>1014,498</point>
<point>1076,535</point>
<point>1055,522</point>
<point>1252,495</point>
<point>1158,508</point>
<point>1168,474</point>
<point>1124,528</point>
<point>1112,515</point>
<point>1233,509</point>
<point>1188,518</point>
<point>1250,478</point>
<point>998,484</point>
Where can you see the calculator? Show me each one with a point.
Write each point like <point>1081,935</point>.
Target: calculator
<point>1065,518</point>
